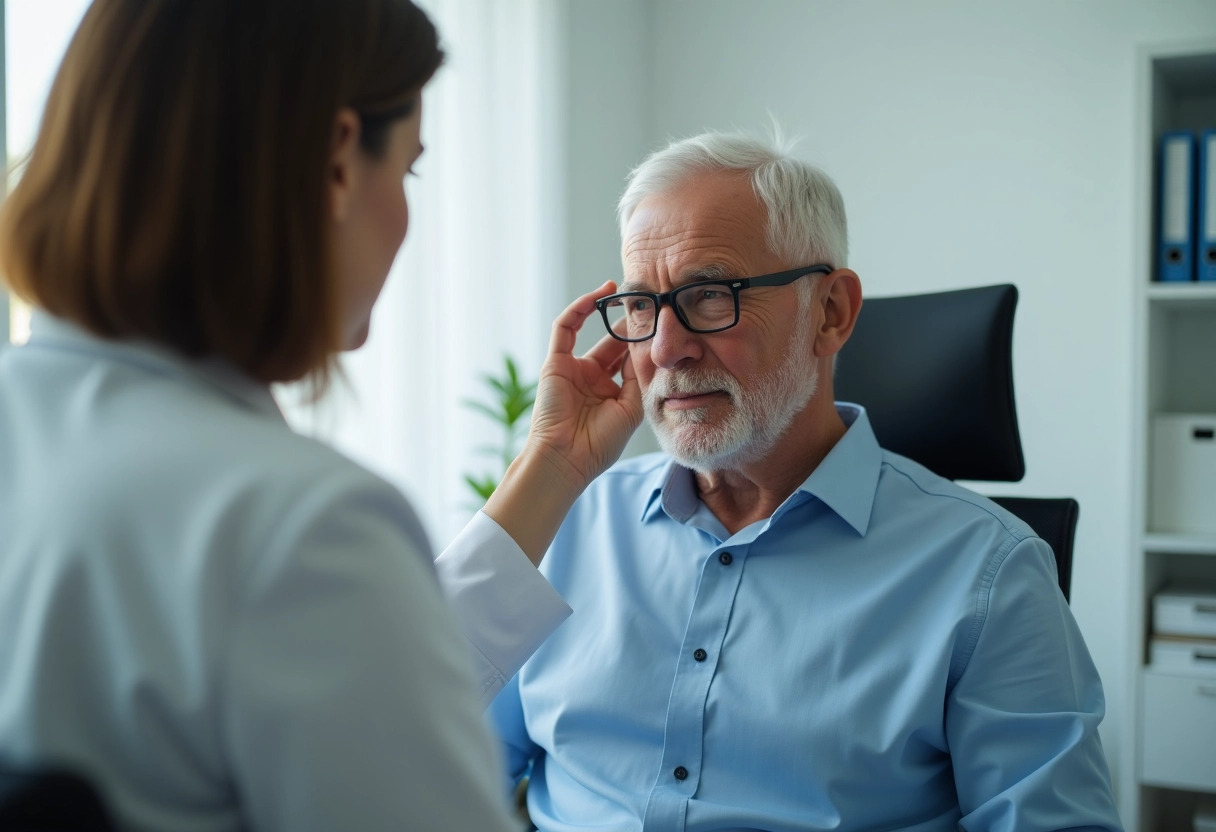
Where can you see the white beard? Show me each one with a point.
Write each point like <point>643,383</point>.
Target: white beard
<point>758,417</point>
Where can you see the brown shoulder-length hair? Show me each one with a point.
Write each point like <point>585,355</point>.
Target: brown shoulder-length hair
<point>177,189</point>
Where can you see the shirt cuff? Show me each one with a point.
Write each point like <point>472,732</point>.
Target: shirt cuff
<point>505,606</point>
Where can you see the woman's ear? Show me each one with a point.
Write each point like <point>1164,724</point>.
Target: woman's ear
<point>343,172</point>
<point>841,298</point>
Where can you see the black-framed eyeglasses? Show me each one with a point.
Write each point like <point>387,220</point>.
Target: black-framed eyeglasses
<point>704,306</point>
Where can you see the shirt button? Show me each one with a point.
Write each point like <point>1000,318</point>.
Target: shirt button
<point>725,558</point>
<point>681,773</point>
<point>699,654</point>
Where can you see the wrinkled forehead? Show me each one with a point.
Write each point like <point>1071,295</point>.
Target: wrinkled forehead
<point>710,219</point>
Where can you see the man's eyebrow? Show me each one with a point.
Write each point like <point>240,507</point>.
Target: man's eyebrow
<point>711,272</point>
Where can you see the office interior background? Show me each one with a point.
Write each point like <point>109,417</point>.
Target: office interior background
<point>974,143</point>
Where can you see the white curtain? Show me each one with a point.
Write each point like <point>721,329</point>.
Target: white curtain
<point>479,274</point>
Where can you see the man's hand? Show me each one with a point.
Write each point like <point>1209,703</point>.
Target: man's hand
<point>582,417</point>
<point>580,424</point>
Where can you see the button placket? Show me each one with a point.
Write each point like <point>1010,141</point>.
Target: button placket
<point>683,736</point>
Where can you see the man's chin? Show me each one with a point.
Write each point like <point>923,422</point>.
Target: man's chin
<point>696,447</point>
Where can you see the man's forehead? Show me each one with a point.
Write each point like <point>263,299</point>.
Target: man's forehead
<point>689,230</point>
<point>682,245</point>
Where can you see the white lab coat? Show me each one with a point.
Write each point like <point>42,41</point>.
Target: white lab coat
<point>228,625</point>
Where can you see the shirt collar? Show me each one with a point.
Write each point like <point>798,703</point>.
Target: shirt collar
<point>50,331</point>
<point>845,481</point>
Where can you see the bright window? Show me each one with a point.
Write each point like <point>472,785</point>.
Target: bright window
<point>36,33</point>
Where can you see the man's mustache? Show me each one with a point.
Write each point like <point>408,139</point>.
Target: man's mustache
<point>690,383</point>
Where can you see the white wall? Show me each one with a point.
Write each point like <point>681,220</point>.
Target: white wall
<point>608,131</point>
<point>975,143</point>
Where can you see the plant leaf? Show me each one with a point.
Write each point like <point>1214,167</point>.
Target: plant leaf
<point>483,487</point>
<point>510,400</point>
<point>516,411</point>
<point>486,411</point>
<point>497,385</point>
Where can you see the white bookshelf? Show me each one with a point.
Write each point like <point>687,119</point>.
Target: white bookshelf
<point>1175,373</point>
<point>1185,544</point>
<point>1182,296</point>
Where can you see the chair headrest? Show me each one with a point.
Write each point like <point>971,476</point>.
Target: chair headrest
<point>935,373</point>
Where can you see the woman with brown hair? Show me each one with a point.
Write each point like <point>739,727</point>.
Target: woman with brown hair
<point>224,624</point>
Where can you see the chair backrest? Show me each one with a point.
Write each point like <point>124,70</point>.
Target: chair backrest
<point>50,800</point>
<point>1055,520</point>
<point>935,374</point>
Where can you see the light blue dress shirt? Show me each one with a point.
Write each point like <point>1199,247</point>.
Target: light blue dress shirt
<point>229,626</point>
<point>887,651</point>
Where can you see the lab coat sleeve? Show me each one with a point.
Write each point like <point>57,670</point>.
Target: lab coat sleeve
<point>505,607</point>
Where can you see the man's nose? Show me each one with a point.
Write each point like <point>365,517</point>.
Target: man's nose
<point>672,343</point>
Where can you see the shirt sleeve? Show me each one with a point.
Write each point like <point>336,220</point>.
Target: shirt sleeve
<point>505,607</point>
<point>346,700</point>
<point>1022,720</point>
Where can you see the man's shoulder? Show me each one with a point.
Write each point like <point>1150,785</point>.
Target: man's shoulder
<point>918,490</point>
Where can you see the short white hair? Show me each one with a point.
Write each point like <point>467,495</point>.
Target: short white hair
<point>806,218</point>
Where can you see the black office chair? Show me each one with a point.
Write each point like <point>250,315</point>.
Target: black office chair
<point>50,800</point>
<point>935,374</point>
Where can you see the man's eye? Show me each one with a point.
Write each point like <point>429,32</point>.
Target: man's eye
<point>712,294</point>
<point>638,304</point>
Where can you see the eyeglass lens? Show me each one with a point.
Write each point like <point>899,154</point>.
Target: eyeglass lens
<point>703,308</point>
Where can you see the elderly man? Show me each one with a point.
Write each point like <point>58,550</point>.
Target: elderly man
<point>776,624</point>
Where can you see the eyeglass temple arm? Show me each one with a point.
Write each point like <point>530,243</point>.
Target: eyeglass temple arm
<point>780,278</point>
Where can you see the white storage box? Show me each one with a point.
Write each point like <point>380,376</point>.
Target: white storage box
<point>1185,610</point>
<point>1183,496</point>
<point>1178,732</point>
<point>1183,655</point>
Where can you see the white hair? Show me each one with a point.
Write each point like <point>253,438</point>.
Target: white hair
<point>806,219</point>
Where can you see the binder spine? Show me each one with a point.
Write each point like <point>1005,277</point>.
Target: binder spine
<point>1176,246</point>
<point>1205,265</point>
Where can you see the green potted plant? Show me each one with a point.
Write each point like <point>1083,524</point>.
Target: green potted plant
<point>510,401</point>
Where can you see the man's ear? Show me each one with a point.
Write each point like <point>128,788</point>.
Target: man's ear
<point>840,294</point>
<point>343,172</point>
